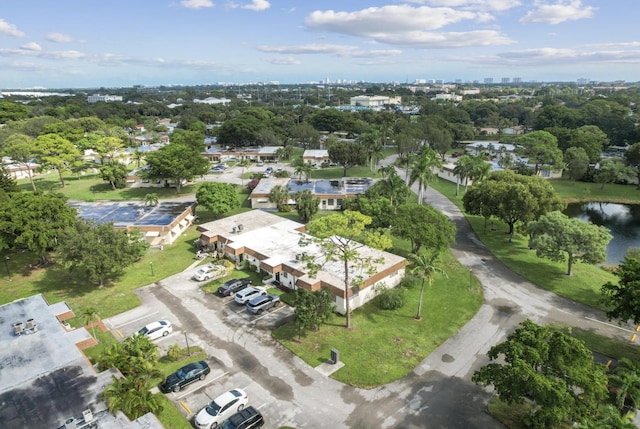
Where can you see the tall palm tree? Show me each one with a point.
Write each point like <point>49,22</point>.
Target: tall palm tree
<point>425,268</point>
<point>625,380</point>
<point>376,152</point>
<point>304,169</point>
<point>462,171</point>
<point>90,315</point>
<point>480,170</point>
<point>422,170</point>
<point>244,163</point>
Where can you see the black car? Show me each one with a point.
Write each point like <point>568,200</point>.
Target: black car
<point>185,375</point>
<point>232,286</point>
<point>248,418</point>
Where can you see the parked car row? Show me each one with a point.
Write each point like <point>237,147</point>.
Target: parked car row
<point>255,298</point>
<point>227,409</point>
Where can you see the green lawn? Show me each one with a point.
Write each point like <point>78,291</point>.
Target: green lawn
<point>583,286</point>
<point>573,191</point>
<point>384,345</point>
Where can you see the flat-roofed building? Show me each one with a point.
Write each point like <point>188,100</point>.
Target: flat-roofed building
<point>271,245</point>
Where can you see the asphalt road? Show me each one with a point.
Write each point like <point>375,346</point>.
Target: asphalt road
<point>438,393</point>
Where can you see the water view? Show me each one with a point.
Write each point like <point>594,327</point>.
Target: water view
<point>622,220</point>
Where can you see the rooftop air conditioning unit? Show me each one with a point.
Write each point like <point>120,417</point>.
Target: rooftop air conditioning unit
<point>18,327</point>
<point>234,229</point>
<point>298,256</point>
<point>87,415</point>
<point>240,227</point>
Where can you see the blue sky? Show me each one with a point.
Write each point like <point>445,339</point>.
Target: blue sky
<point>112,43</point>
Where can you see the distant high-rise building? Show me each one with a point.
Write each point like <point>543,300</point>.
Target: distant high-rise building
<point>458,81</point>
<point>582,81</point>
<point>506,80</point>
<point>420,81</point>
<point>517,80</point>
<point>488,80</point>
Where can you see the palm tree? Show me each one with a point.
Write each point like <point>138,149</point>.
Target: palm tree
<point>376,152</point>
<point>425,267</point>
<point>405,162</point>
<point>280,196</point>
<point>244,164</point>
<point>304,169</point>
<point>625,380</point>
<point>90,315</point>
<point>462,171</point>
<point>137,156</point>
<point>422,170</point>
<point>480,170</point>
<point>610,418</point>
<point>151,199</point>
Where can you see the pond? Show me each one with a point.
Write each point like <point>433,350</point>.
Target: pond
<point>622,220</point>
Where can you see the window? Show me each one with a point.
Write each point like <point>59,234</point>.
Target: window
<point>283,274</point>
<point>330,201</point>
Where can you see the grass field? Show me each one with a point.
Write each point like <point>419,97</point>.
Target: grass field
<point>385,345</point>
<point>583,286</point>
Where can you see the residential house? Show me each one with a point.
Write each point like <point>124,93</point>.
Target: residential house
<point>270,244</point>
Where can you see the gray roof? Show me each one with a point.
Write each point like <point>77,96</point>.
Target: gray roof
<point>44,378</point>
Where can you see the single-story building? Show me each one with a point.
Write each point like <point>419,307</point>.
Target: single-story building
<point>19,170</point>
<point>270,244</point>
<point>254,154</point>
<point>329,193</point>
<point>315,157</point>
<point>160,224</point>
<point>47,380</point>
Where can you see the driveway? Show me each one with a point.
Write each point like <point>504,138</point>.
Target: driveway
<point>438,393</point>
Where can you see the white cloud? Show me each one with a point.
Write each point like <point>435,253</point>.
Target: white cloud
<point>283,61</point>
<point>196,4</point>
<point>496,5</point>
<point>435,40</point>
<point>406,25</point>
<point>328,49</point>
<point>556,57</point>
<point>561,11</point>
<point>10,29</point>
<point>31,46</point>
<point>257,5</point>
<point>59,38</point>
<point>393,19</point>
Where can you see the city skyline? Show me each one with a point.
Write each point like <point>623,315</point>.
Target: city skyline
<point>88,44</point>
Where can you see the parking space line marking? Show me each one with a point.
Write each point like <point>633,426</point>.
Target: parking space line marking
<point>139,318</point>
<point>263,405</point>
<point>201,385</point>
<point>266,314</point>
<point>119,333</point>
<point>186,408</point>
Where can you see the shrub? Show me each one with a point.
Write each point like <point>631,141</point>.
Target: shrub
<point>391,299</point>
<point>175,352</point>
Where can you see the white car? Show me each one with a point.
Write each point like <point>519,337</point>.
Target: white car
<point>220,409</point>
<point>205,273</point>
<point>246,295</point>
<point>155,330</point>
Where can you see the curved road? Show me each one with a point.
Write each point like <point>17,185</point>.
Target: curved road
<point>438,393</point>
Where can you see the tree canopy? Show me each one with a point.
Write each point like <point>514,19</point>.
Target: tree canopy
<point>219,198</point>
<point>554,370</point>
<point>424,226</point>
<point>347,154</point>
<point>623,299</point>
<point>176,162</point>
<point>512,198</point>
<point>99,252</point>
<point>558,237</point>
<point>34,221</point>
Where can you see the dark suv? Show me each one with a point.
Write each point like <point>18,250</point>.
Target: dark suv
<point>232,286</point>
<point>248,418</point>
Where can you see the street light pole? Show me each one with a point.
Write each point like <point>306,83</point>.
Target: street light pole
<point>151,266</point>
<point>6,265</point>
<point>187,340</point>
